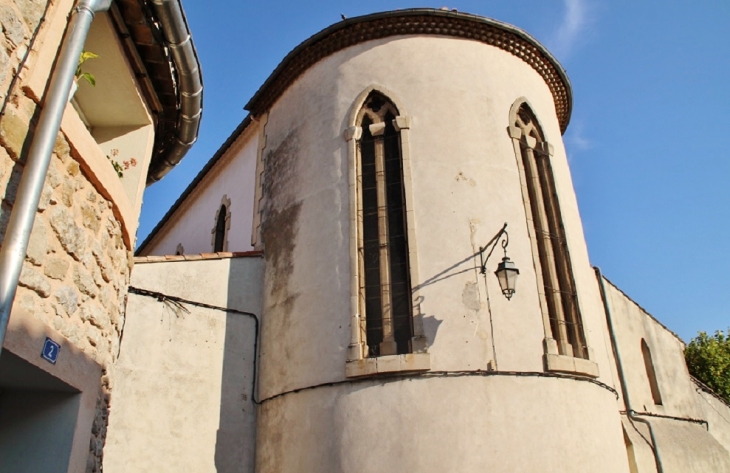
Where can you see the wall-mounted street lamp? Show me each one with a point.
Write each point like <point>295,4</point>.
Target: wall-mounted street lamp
<point>506,271</point>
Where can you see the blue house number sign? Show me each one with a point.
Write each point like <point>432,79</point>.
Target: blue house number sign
<point>50,351</point>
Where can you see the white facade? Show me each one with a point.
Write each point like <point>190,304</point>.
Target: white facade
<point>231,183</point>
<point>483,386</point>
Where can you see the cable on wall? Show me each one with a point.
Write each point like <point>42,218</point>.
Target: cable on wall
<point>381,379</point>
<point>179,300</point>
<point>663,416</point>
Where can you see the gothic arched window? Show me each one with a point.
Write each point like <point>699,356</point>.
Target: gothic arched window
<point>385,287</point>
<point>554,272</point>
<point>219,233</point>
<point>220,229</point>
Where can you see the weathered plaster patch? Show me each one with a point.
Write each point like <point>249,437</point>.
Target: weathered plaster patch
<point>280,174</point>
<point>470,296</point>
<point>278,233</point>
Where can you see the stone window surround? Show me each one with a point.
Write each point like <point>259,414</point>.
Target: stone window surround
<point>256,242</point>
<point>225,202</point>
<point>357,363</point>
<point>554,361</point>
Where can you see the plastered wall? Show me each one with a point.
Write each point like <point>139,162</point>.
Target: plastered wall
<point>233,177</point>
<point>465,185</point>
<point>183,400</point>
<point>690,426</point>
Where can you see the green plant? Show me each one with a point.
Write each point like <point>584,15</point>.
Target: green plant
<point>117,167</point>
<point>708,359</point>
<point>80,74</point>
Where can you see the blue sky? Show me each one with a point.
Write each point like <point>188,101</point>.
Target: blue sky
<point>645,142</point>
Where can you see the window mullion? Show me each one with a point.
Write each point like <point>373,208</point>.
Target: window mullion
<point>388,345</point>
<point>547,252</point>
<point>564,274</point>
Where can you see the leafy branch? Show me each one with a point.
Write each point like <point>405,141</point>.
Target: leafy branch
<point>80,74</point>
<point>708,359</point>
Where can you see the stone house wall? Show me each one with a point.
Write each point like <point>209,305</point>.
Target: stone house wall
<point>78,261</point>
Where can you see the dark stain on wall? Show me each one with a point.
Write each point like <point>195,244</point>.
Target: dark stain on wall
<point>280,213</point>
<point>280,174</point>
<point>278,232</point>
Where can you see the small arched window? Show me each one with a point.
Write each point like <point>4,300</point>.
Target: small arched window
<point>219,232</point>
<point>651,373</point>
<point>220,229</point>
<point>385,287</point>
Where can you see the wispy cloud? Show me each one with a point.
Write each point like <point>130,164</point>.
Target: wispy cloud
<point>575,139</point>
<point>569,32</point>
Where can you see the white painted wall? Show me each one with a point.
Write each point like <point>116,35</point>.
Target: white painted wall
<point>183,394</point>
<point>465,186</point>
<point>717,414</point>
<point>632,323</point>
<point>684,446</point>
<point>234,176</point>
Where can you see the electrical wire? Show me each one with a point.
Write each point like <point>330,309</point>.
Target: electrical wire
<point>179,300</point>
<point>388,377</point>
<point>380,379</point>
<point>663,416</point>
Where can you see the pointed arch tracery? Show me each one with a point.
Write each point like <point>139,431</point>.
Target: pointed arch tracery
<point>385,321</point>
<point>385,288</point>
<point>565,334</point>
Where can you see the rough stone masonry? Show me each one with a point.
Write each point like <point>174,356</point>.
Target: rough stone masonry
<point>77,267</point>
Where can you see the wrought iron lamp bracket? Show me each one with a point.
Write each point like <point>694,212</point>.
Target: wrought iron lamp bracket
<point>493,243</point>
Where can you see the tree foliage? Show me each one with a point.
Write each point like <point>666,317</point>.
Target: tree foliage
<point>708,359</point>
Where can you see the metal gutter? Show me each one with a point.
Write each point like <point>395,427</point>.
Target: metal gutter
<point>22,216</point>
<point>632,414</point>
<point>189,82</point>
<point>199,177</point>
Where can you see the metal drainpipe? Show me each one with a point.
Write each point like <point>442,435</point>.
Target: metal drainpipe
<point>22,216</point>
<point>619,366</point>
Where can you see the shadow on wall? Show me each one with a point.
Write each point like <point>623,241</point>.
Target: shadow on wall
<point>10,185</point>
<point>38,420</point>
<point>431,323</point>
<point>236,440</point>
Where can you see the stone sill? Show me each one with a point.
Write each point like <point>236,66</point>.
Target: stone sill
<point>412,362</point>
<point>571,365</point>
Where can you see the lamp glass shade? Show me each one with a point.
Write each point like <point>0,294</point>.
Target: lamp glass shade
<point>507,274</point>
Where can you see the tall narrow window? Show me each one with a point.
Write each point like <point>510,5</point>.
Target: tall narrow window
<point>385,289</point>
<point>220,229</point>
<point>650,373</point>
<point>559,294</point>
<point>221,226</point>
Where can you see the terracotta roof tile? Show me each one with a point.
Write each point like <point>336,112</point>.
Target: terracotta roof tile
<point>199,257</point>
